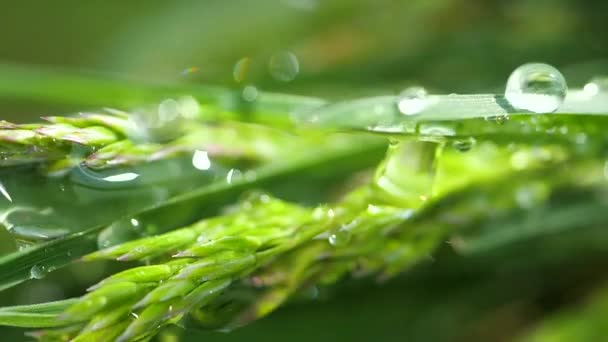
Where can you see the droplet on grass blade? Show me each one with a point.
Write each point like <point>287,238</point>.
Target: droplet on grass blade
<point>340,238</point>
<point>536,87</point>
<point>200,160</point>
<point>412,100</point>
<point>38,271</point>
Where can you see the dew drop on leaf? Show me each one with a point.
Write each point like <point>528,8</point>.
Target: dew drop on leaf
<point>38,271</point>
<point>536,87</point>
<point>339,238</point>
<point>412,100</point>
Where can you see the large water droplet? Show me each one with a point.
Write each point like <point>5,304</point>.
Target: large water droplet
<point>412,100</point>
<point>536,87</point>
<point>284,66</point>
<point>340,238</point>
<point>38,271</point>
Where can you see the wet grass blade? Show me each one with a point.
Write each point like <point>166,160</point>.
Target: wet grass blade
<point>17,267</point>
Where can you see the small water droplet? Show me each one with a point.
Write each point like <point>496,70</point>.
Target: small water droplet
<point>250,93</point>
<point>200,160</point>
<point>536,87</point>
<point>189,107</point>
<point>134,222</point>
<point>373,210</point>
<point>340,238</point>
<point>284,66</point>
<point>412,100</point>
<point>38,271</point>
<point>233,175</point>
<point>168,110</point>
<point>323,213</point>
<point>241,69</point>
<point>465,144</point>
<point>596,86</point>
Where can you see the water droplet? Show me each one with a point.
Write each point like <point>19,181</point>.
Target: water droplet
<point>464,145</point>
<point>412,100</point>
<point>284,66</point>
<point>596,85</point>
<point>189,107</point>
<point>168,110</point>
<point>241,69</point>
<point>340,238</point>
<point>323,213</point>
<point>536,87</point>
<point>134,222</point>
<point>250,93</point>
<point>233,175</point>
<point>200,160</point>
<point>38,271</point>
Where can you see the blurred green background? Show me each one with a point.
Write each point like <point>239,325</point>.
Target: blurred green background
<point>344,48</point>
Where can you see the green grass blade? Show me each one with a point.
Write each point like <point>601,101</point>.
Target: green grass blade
<point>36,315</point>
<point>17,267</point>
